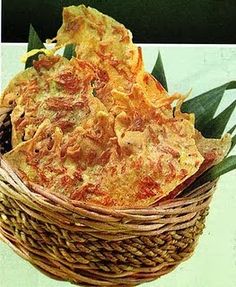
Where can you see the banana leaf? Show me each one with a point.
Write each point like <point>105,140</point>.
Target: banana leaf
<point>230,131</point>
<point>226,165</point>
<point>233,143</point>
<point>34,42</point>
<point>69,51</point>
<point>159,73</point>
<point>205,105</point>
<point>216,126</point>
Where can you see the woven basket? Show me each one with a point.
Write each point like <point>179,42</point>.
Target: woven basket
<point>93,246</point>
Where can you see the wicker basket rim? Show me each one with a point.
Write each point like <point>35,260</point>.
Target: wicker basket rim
<point>37,192</point>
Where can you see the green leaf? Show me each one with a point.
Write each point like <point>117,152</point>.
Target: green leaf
<point>233,143</point>
<point>233,140</point>
<point>226,165</point>
<point>159,73</point>
<point>216,126</point>
<point>232,130</point>
<point>69,51</point>
<point>34,42</point>
<point>205,105</point>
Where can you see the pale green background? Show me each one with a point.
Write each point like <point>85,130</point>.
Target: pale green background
<point>214,261</point>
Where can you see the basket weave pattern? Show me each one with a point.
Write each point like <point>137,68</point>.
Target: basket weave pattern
<point>94,246</point>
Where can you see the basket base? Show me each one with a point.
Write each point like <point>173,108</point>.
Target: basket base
<point>126,262</point>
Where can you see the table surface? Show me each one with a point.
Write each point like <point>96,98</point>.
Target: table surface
<point>214,261</point>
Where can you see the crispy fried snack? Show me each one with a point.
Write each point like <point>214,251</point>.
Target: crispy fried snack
<point>100,129</point>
